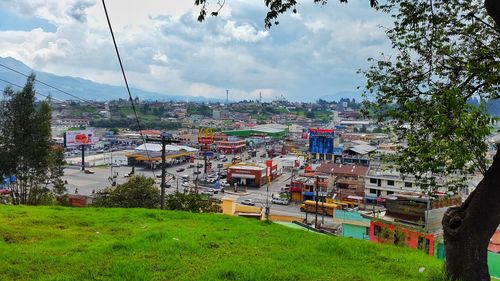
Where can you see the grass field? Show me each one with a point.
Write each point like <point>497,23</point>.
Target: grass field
<point>56,243</point>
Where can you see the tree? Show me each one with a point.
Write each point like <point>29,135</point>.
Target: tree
<point>445,54</point>
<point>191,202</point>
<point>448,30</point>
<point>27,147</point>
<point>137,192</point>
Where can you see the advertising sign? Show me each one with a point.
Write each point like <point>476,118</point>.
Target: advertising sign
<point>321,141</point>
<point>206,136</point>
<point>75,138</point>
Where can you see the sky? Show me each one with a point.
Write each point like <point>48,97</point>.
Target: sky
<point>313,54</point>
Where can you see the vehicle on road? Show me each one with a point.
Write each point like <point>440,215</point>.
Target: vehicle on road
<point>186,184</point>
<point>196,172</point>
<point>224,183</point>
<point>191,166</point>
<point>88,171</point>
<point>116,165</point>
<point>207,192</point>
<point>180,170</point>
<point>248,202</point>
<point>224,160</point>
<point>199,165</point>
<point>280,201</point>
<point>323,208</point>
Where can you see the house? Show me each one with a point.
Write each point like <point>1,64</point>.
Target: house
<point>349,180</point>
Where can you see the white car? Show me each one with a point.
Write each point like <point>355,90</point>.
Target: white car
<point>207,192</point>
<point>248,202</point>
<point>186,184</point>
<point>224,183</point>
<point>280,201</point>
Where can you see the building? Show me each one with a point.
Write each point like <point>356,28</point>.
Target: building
<point>270,130</point>
<point>149,155</point>
<point>349,180</point>
<point>253,175</point>
<point>231,145</point>
<point>382,181</point>
<point>413,221</point>
<point>304,187</point>
<point>353,224</point>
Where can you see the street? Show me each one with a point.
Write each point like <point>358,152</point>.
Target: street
<point>85,184</point>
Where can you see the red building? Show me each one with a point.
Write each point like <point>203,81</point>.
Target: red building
<point>231,145</point>
<point>247,175</point>
<point>385,232</point>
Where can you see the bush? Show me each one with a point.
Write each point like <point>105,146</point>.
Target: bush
<point>191,202</point>
<point>138,192</point>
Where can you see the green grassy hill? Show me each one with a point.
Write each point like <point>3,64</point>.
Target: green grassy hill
<point>56,243</point>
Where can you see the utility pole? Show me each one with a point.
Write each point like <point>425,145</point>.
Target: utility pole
<point>83,157</point>
<point>268,208</point>
<point>164,140</point>
<point>317,198</point>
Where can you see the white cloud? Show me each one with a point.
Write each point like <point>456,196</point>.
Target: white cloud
<point>165,49</point>
<point>244,32</point>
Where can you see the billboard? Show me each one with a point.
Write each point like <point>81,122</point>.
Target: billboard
<point>321,141</point>
<point>82,137</point>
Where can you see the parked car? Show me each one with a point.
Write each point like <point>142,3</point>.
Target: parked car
<point>196,172</point>
<point>186,184</point>
<point>248,202</point>
<point>116,165</point>
<point>280,201</point>
<point>199,165</point>
<point>207,192</point>
<point>88,171</point>
<point>191,166</point>
<point>224,183</point>
<point>224,160</point>
<point>180,170</point>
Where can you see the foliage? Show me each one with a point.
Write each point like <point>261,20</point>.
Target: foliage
<point>58,243</point>
<point>275,8</point>
<point>27,147</point>
<point>443,56</point>
<point>137,192</point>
<point>201,109</point>
<point>191,202</point>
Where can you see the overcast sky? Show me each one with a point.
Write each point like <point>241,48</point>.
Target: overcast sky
<point>312,54</point>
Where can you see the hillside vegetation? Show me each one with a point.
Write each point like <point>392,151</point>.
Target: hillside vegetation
<point>56,243</point>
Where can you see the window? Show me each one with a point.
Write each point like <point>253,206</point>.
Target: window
<point>408,184</point>
<point>389,182</point>
<point>390,192</point>
<point>373,191</point>
<point>372,180</point>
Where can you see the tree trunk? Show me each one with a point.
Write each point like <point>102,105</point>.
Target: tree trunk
<point>469,227</point>
<point>493,9</point>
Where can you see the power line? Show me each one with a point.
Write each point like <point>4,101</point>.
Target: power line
<point>46,84</point>
<point>128,88</point>
<point>10,83</point>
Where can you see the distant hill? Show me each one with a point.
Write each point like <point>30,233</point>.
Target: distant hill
<point>342,95</point>
<point>83,88</point>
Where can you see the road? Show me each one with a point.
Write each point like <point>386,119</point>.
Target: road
<point>85,184</point>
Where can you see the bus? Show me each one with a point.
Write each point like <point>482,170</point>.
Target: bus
<point>323,208</point>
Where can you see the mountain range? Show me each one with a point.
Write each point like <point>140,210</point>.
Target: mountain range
<point>82,88</point>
